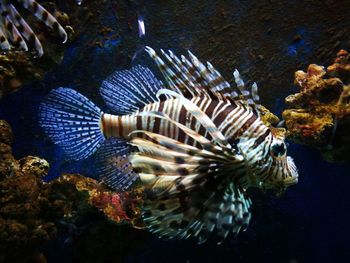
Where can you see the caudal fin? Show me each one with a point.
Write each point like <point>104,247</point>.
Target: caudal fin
<point>72,122</point>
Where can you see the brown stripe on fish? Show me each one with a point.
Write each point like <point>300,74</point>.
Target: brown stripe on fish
<point>44,16</point>
<point>139,121</point>
<point>222,114</point>
<point>174,132</point>
<point>211,107</point>
<point>261,138</point>
<point>156,127</point>
<point>182,119</point>
<point>164,124</point>
<point>200,128</point>
<point>172,115</point>
<point>248,122</point>
<point>35,6</point>
<point>191,121</point>
<point>231,120</point>
<point>234,130</point>
<point>111,126</point>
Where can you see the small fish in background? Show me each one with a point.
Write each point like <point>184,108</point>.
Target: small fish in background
<point>15,31</point>
<point>195,144</point>
<point>141,26</point>
<point>141,34</point>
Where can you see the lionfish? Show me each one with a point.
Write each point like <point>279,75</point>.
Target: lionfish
<point>15,31</point>
<point>195,146</point>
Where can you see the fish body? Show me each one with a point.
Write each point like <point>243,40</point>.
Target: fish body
<point>200,144</point>
<point>238,124</point>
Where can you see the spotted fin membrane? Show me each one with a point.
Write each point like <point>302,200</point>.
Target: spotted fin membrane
<point>15,31</point>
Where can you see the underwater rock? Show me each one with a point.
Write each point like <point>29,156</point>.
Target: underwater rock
<point>86,22</point>
<point>118,207</point>
<point>33,212</point>
<point>319,115</point>
<point>18,64</point>
<point>26,210</point>
<point>5,132</point>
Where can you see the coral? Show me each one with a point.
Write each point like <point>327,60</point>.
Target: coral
<point>33,212</point>
<point>319,115</point>
<point>118,207</point>
<point>18,68</point>
<point>86,22</point>
<point>271,121</point>
<point>17,65</point>
<point>27,215</point>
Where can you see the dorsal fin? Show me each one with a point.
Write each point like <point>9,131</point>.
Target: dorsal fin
<point>250,98</point>
<point>126,91</point>
<point>191,77</point>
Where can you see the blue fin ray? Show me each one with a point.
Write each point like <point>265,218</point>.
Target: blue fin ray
<point>112,165</point>
<point>72,122</point>
<point>126,91</point>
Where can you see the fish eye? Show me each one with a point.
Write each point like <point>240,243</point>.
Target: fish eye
<point>278,149</point>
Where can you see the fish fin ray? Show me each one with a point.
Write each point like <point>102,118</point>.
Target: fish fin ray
<point>11,29</point>
<point>230,213</point>
<point>127,91</point>
<point>180,181</point>
<point>247,97</point>
<point>26,31</point>
<point>43,15</point>
<point>72,122</point>
<point>190,77</point>
<point>112,166</point>
<point>4,44</point>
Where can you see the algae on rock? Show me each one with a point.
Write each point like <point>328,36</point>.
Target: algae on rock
<point>319,115</point>
<point>33,212</point>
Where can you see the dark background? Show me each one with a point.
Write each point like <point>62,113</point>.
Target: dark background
<point>267,41</point>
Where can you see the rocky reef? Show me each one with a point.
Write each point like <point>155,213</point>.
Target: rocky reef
<point>319,114</point>
<point>29,49</point>
<point>32,212</point>
<point>85,22</point>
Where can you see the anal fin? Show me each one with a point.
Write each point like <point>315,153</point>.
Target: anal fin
<point>113,166</point>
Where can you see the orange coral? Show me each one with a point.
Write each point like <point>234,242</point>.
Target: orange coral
<point>118,207</point>
<point>319,114</point>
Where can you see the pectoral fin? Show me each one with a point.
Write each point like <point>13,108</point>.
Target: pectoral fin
<point>186,186</point>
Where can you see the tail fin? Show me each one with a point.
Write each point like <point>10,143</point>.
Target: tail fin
<point>72,122</point>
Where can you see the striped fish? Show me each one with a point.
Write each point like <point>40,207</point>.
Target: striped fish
<point>15,30</point>
<point>196,144</point>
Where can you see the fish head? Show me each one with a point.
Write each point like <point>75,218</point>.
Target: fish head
<point>281,171</point>
<point>267,164</point>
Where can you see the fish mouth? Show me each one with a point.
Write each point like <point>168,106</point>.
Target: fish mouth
<point>294,175</point>
<point>288,177</point>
